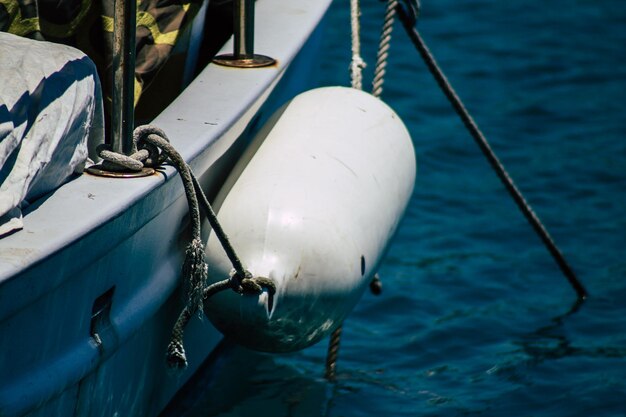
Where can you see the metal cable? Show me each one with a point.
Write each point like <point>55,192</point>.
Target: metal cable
<point>472,127</point>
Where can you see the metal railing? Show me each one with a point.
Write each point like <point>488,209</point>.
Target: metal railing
<point>123,65</point>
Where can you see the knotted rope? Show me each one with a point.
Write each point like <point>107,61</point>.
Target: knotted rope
<point>357,64</point>
<point>150,149</point>
<point>143,154</point>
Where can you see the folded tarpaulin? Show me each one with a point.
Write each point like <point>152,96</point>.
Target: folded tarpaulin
<point>51,120</point>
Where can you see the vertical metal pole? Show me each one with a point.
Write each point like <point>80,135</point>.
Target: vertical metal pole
<point>122,92</point>
<point>123,95</point>
<point>243,55</point>
<point>243,24</point>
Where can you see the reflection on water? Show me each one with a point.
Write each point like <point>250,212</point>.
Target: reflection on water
<point>239,382</point>
<point>551,342</point>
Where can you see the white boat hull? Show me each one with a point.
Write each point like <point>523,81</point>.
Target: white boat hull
<point>89,290</point>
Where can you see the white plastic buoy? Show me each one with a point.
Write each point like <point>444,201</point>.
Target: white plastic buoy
<point>312,205</point>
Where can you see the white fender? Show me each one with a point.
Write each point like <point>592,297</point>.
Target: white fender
<point>313,205</point>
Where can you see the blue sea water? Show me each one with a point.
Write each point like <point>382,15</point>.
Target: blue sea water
<point>475,317</point>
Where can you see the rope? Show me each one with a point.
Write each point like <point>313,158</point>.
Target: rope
<point>480,139</point>
<point>356,75</point>
<point>333,354</point>
<point>116,162</point>
<point>383,48</point>
<point>195,268</point>
<point>151,148</point>
<point>219,232</point>
<point>357,64</point>
<point>176,357</point>
<point>142,155</point>
<point>377,87</point>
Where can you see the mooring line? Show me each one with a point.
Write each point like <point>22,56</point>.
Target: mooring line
<point>151,148</point>
<point>333,354</point>
<point>470,124</point>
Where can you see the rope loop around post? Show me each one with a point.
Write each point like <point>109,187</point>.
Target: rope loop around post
<point>143,154</point>
<point>156,156</point>
<point>118,162</point>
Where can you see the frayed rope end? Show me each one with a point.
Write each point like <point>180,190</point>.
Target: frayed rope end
<point>176,358</point>
<point>195,272</point>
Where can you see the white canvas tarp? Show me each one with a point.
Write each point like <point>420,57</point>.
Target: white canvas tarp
<point>51,119</point>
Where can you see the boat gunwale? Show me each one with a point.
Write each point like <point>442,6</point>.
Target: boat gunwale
<point>192,130</point>
<point>200,141</point>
